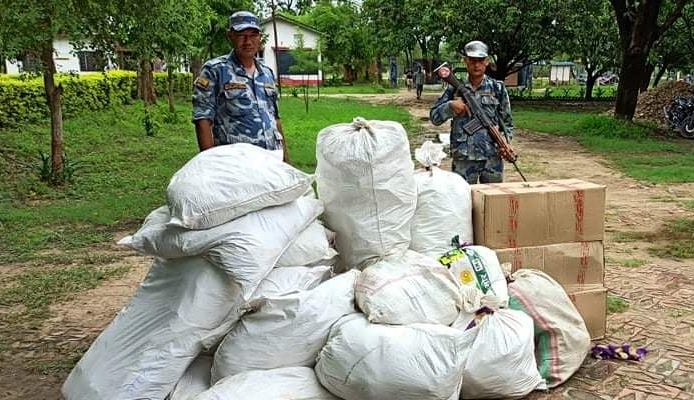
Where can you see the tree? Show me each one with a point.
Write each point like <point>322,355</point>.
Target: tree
<point>518,32</point>
<point>391,23</point>
<point>28,28</point>
<point>214,42</point>
<point>348,37</point>
<point>305,63</point>
<point>592,38</point>
<point>675,49</point>
<point>640,24</point>
<point>400,25</point>
<point>191,19</point>
<point>164,30</point>
<point>295,7</point>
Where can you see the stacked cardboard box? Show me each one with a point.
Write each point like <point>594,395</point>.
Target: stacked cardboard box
<point>554,226</point>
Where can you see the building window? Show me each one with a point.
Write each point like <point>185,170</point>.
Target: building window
<point>30,64</point>
<point>287,60</point>
<point>90,61</point>
<point>261,55</point>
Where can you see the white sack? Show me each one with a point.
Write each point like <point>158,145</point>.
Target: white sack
<point>227,182</point>
<point>195,380</point>
<point>281,281</point>
<point>286,331</point>
<point>365,179</point>
<point>444,205</point>
<point>292,383</point>
<point>182,307</point>
<point>478,267</point>
<point>407,290</point>
<point>561,337</point>
<point>246,248</point>
<point>364,361</point>
<point>310,248</point>
<point>472,301</point>
<point>499,357</point>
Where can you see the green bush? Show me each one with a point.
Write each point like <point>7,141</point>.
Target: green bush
<point>183,84</point>
<point>23,100</point>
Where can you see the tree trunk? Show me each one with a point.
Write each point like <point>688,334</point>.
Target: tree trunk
<point>659,75</point>
<point>379,70</point>
<point>145,82</point>
<point>638,30</point>
<point>500,71</point>
<point>170,84</point>
<point>349,73</point>
<point>53,95</point>
<point>195,65</point>
<point>631,73</point>
<point>591,77</point>
<point>590,84</point>
<point>429,66</point>
<point>646,78</point>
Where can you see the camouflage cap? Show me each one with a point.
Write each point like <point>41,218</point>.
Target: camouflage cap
<point>476,49</point>
<point>241,20</point>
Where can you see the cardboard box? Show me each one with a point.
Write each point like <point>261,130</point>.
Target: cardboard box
<point>521,214</point>
<point>592,305</point>
<point>580,263</point>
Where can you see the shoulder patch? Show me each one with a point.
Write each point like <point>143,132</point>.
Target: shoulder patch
<point>234,85</point>
<point>202,83</point>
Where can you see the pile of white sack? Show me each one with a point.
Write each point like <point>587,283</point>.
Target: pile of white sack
<point>248,298</point>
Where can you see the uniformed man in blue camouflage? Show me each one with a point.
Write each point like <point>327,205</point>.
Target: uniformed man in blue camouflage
<point>235,97</point>
<point>475,156</point>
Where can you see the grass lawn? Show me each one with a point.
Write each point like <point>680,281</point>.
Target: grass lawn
<point>123,173</point>
<point>634,149</point>
<point>637,152</point>
<point>357,88</point>
<point>302,128</point>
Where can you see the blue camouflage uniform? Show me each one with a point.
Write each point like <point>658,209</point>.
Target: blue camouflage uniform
<point>475,156</point>
<point>243,108</point>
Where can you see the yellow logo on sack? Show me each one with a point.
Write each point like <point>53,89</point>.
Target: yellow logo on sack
<point>466,277</point>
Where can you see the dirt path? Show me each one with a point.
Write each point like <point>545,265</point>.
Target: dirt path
<point>660,292</point>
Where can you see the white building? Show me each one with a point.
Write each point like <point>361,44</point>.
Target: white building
<point>289,33</point>
<point>67,59</point>
<point>561,72</point>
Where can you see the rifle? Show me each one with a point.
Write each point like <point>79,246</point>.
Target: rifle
<point>479,118</point>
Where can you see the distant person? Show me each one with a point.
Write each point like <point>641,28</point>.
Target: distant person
<point>473,150</point>
<point>393,74</point>
<point>235,95</point>
<point>419,81</point>
<point>408,79</point>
